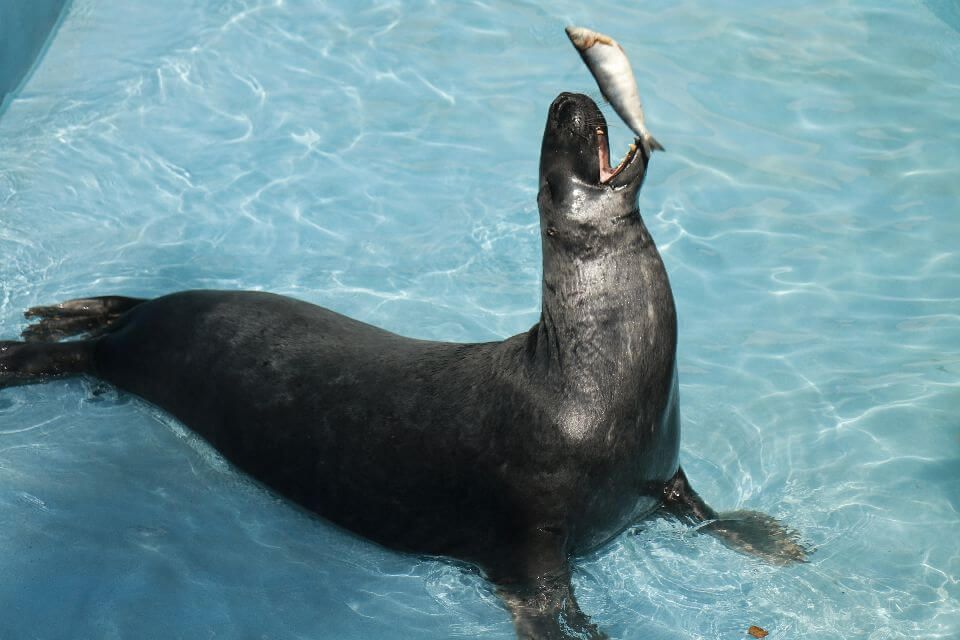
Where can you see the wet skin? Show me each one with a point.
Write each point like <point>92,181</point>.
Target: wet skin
<point>513,455</point>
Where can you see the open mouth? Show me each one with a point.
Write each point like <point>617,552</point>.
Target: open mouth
<point>607,173</point>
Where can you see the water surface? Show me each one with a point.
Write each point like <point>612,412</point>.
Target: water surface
<point>381,159</point>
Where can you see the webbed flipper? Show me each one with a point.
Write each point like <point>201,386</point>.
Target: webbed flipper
<point>84,316</point>
<point>29,363</point>
<point>748,532</point>
<point>533,581</point>
<point>40,357</point>
<point>544,608</point>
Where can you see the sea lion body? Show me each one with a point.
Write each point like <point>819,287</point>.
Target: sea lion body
<point>513,455</point>
<point>431,447</point>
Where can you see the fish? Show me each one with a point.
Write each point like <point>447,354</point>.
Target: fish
<point>608,63</point>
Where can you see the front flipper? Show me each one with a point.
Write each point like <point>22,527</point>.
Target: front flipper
<point>544,609</point>
<point>533,580</point>
<point>749,532</point>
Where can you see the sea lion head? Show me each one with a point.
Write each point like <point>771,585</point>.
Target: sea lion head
<point>581,196</point>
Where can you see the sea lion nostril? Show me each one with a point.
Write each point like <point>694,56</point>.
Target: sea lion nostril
<point>564,97</point>
<point>565,105</point>
<point>574,111</point>
<point>565,111</point>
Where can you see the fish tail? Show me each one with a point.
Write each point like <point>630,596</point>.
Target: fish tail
<point>653,144</point>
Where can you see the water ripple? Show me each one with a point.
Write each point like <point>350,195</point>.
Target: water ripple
<point>381,159</point>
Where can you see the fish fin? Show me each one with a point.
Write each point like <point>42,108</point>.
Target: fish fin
<point>607,40</point>
<point>653,144</point>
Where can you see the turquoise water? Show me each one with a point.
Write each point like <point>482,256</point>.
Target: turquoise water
<point>381,159</point>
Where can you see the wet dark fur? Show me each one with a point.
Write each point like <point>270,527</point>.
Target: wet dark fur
<point>513,455</point>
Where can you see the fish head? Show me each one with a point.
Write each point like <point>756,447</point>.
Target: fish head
<point>577,184</point>
<point>583,39</point>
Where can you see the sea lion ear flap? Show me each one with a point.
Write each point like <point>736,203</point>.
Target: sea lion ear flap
<point>552,196</point>
<point>545,194</point>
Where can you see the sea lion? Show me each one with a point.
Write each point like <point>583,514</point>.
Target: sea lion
<point>515,455</point>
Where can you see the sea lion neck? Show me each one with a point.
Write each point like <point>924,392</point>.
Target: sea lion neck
<point>604,304</point>
<point>605,290</point>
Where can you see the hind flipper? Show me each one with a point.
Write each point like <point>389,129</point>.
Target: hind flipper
<point>749,532</point>
<point>98,306</point>
<point>54,329</point>
<point>84,316</point>
<point>31,363</point>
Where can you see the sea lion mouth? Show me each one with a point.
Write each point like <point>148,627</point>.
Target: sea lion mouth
<point>576,151</point>
<point>608,173</point>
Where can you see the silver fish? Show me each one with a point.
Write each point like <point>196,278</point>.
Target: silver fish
<point>610,68</point>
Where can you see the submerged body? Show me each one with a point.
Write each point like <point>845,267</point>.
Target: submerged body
<point>429,447</point>
<point>513,455</point>
<point>608,63</point>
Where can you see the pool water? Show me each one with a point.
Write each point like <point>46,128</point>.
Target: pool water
<point>381,159</point>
